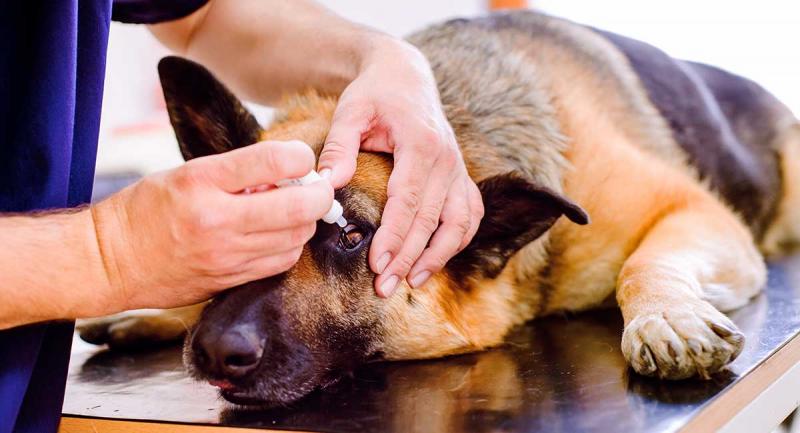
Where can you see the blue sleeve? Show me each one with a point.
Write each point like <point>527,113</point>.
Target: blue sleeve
<point>153,11</point>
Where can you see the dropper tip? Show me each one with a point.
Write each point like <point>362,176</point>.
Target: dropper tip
<point>341,222</point>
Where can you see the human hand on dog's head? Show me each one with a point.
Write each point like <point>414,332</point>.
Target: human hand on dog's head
<point>433,207</point>
<point>179,237</point>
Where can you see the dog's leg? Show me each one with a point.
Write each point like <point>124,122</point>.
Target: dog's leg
<point>693,263</point>
<point>140,328</point>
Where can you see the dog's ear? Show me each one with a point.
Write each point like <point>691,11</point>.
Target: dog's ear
<point>516,213</point>
<point>207,118</point>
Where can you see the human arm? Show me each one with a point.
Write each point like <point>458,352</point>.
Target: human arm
<point>171,239</point>
<point>389,103</point>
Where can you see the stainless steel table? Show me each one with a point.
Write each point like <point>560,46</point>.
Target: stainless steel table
<point>560,374</point>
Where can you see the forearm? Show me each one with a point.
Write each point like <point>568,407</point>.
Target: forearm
<point>265,49</point>
<point>51,268</point>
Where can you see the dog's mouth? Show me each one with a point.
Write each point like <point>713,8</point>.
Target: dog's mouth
<point>223,385</point>
<point>267,393</point>
<point>235,393</point>
<point>242,397</point>
<point>270,396</point>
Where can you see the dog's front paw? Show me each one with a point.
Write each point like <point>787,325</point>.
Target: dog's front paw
<point>683,341</point>
<point>132,330</point>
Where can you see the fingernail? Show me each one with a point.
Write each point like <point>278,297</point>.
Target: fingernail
<point>419,279</point>
<point>383,262</point>
<point>325,173</point>
<point>388,286</point>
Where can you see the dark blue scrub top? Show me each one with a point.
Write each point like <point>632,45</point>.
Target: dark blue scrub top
<point>52,62</point>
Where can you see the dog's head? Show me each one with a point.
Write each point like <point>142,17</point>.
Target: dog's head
<point>274,340</point>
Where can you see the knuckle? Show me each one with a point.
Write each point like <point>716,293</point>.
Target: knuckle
<point>410,199</point>
<point>223,166</point>
<point>466,240</point>
<point>428,219</point>
<point>391,237</point>
<point>334,150</point>
<point>437,262</point>
<point>462,225</point>
<point>203,220</point>
<point>229,166</point>
<point>187,176</point>
<point>403,263</point>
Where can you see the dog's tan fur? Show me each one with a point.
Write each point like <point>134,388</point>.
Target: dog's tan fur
<point>784,233</point>
<point>664,245</point>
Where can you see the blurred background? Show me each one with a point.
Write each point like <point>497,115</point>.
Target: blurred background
<point>754,39</point>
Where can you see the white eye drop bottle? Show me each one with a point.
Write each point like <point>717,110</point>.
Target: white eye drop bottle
<point>335,214</point>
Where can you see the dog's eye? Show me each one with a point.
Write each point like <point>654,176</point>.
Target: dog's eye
<point>350,237</point>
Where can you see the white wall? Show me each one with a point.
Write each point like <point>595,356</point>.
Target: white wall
<point>398,17</point>
<point>757,39</point>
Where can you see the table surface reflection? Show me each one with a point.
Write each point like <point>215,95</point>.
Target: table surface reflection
<point>559,374</point>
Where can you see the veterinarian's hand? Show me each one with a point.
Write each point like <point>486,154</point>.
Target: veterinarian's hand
<point>179,237</point>
<point>433,208</point>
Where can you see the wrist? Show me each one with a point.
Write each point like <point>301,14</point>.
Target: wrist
<point>89,292</point>
<point>107,251</point>
<point>83,282</point>
<point>379,49</point>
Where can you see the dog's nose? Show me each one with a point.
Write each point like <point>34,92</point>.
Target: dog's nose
<point>232,354</point>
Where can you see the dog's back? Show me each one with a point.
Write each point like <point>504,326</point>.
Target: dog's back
<point>725,130</point>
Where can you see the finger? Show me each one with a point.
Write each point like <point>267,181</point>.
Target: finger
<point>338,156</point>
<point>425,223</point>
<point>266,162</point>
<point>446,241</point>
<point>281,208</point>
<point>476,211</point>
<point>405,191</point>
<point>268,266</point>
<point>279,241</point>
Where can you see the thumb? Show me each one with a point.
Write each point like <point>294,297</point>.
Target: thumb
<point>341,147</point>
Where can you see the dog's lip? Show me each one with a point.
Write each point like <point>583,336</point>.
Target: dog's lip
<point>243,398</point>
<point>222,384</point>
<point>235,394</point>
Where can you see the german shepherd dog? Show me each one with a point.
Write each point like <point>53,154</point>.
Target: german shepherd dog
<point>690,175</point>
